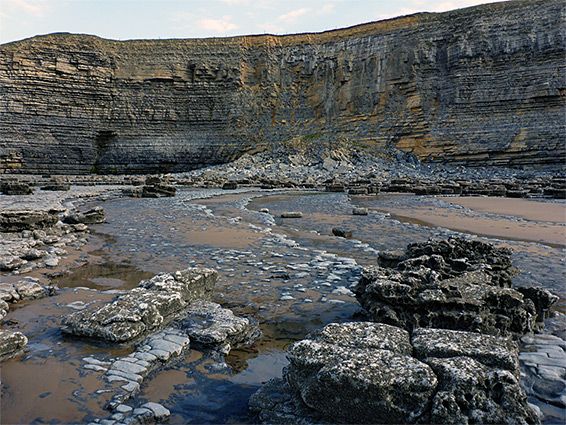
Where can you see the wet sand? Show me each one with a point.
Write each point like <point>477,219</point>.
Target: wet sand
<point>537,221</point>
<point>529,209</point>
<point>151,236</point>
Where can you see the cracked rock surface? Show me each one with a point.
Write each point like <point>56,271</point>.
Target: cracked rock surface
<point>367,372</point>
<point>452,284</point>
<point>153,304</point>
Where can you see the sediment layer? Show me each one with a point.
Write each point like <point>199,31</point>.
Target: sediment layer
<point>478,86</point>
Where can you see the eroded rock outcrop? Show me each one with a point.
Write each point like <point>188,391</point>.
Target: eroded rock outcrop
<point>367,372</point>
<point>454,284</point>
<point>444,86</point>
<point>151,305</point>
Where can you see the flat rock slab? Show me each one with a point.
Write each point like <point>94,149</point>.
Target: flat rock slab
<point>17,221</point>
<point>212,326</point>
<point>151,305</point>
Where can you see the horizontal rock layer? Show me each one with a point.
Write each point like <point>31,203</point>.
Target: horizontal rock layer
<point>483,85</point>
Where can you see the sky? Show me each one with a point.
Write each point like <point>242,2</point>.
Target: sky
<point>154,19</point>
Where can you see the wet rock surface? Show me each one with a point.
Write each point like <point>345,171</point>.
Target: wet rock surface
<point>365,372</point>
<point>210,326</point>
<point>154,303</point>
<point>543,361</point>
<point>11,343</point>
<point>285,273</point>
<point>454,284</point>
<point>95,215</point>
<point>204,325</point>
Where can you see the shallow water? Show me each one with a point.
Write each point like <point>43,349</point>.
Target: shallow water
<point>292,275</point>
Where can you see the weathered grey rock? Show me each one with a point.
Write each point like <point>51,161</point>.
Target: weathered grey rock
<point>195,283</point>
<point>492,351</point>
<point>93,216</point>
<point>357,373</point>
<point>454,284</point>
<point>366,373</point>
<point>209,325</point>
<point>17,221</point>
<point>159,190</point>
<point>342,233</point>
<point>292,214</point>
<point>15,188</point>
<point>11,343</point>
<point>470,392</point>
<point>154,303</point>
<point>4,307</point>
<point>360,211</point>
<point>56,186</point>
<point>10,262</point>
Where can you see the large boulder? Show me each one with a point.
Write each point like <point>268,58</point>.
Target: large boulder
<point>211,326</point>
<point>375,373</point>
<point>153,304</point>
<point>455,284</point>
<point>478,377</point>
<point>95,215</point>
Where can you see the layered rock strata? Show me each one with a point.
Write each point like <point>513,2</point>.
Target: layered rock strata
<point>376,373</point>
<point>151,305</point>
<point>483,85</point>
<point>454,284</point>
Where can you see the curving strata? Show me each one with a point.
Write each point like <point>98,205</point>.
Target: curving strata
<point>477,86</point>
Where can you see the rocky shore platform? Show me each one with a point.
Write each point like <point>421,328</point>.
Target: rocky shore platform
<point>440,346</point>
<point>446,336</point>
<point>161,319</point>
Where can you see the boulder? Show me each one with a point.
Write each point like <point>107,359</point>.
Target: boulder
<point>158,190</point>
<point>374,373</point>
<point>454,284</point>
<point>15,188</point>
<point>11,343</point>
<point>292,214</point>
<point>95,215</point>
<point>24,290</point>
<point>335,187</point>
<point>152,304</point>
<point>358,373</point>
<point>360,211</point>
<point>342,233</point>
<point>209,325</point>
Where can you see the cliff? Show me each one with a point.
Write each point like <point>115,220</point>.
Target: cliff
<point>478,86</point>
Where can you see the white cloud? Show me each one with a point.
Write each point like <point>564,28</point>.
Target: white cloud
<point>36,8</point>
<point>327,9</point>
<point>434,6</point>
<point>218,26</point>
<point>270,28</point>
<point>236,2</point>
<point>293,15</point>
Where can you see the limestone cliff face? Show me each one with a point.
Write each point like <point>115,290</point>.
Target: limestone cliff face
<point>481,86</point>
